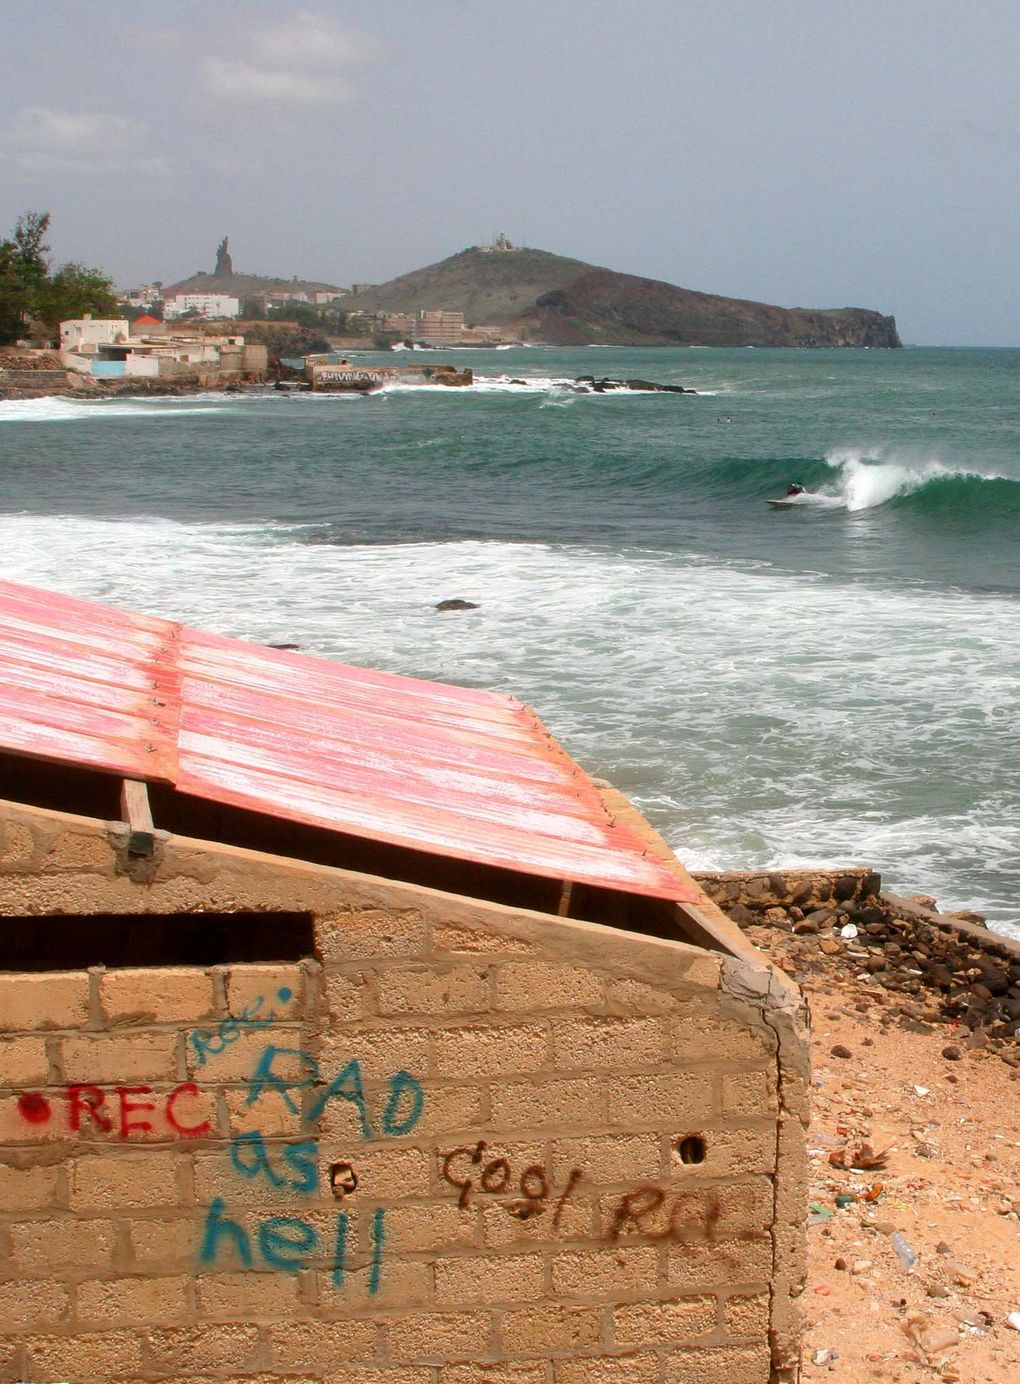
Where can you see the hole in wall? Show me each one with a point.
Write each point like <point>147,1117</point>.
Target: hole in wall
<point>74,941</point>
<point>692,1149</point>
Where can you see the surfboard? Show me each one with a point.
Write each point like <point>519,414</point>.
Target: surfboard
<point>784,504</point>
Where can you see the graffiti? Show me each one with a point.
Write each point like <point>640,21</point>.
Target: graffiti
<point>651,1211</point>
<point>121,1111</point>
<point>495,1177</point>
<point>206,1043</point>
<point>289,1243</point>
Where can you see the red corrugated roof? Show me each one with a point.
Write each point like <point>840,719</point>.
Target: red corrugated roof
<point>456,772</point>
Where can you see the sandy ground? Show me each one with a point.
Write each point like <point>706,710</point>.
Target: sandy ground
<point>948,1184</point>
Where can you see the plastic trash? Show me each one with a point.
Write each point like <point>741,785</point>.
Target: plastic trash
<point>904,1251</point>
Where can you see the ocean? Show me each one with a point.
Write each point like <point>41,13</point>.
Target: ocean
<point>832,683</point>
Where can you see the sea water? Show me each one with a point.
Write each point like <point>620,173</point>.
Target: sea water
<point>832,683</point>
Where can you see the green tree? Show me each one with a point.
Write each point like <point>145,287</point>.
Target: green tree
<point>31,293</point>
<point>72,291</point>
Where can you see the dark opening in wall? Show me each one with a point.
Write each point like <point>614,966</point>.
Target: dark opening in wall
<point>73,941</point>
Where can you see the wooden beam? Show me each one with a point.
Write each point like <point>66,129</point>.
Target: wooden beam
<point>134,805</point>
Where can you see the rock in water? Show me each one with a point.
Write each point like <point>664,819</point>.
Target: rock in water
<point>456,604</point>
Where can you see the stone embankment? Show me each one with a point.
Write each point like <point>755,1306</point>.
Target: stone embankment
<point>944,967</point>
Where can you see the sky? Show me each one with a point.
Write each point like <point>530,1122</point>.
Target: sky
<point>810,153</point>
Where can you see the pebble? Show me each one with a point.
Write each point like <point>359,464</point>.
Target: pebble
<point>840,1050</point>
<point>952,1053</point>
<point>1013,1320</point>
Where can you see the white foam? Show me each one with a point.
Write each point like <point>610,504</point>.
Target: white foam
<point>873,476</point>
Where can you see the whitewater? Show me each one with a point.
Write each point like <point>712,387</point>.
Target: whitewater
<point>831,684</point>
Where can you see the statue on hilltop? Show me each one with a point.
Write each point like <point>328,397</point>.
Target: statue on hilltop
<point>224,265</point>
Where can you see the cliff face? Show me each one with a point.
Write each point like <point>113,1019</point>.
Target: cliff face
<point>620,309</point>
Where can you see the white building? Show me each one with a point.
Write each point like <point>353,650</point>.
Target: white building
<point>204,304</point>
<point>88,332</point>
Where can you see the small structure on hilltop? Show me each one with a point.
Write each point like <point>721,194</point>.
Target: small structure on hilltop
<point>349,1025</point>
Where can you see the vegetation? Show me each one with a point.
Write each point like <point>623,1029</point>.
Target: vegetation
<point>34,298</point>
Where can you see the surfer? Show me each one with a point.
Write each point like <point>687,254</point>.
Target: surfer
<point>794,488</point>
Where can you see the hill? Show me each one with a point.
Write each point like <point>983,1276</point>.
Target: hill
<point>543,297</point>
<point>486,286</point>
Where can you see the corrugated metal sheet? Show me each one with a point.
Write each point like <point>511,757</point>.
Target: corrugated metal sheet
<point>461,773</point>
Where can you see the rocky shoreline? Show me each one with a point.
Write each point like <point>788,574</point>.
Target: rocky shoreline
<point>934,968</point>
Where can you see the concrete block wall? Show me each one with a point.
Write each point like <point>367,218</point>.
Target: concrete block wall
<point>460,1143</point>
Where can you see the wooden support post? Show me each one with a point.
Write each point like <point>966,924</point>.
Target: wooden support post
<point>136,812</point>
<point>565,896</point>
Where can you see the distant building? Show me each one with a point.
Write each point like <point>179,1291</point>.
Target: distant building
<point>88,332</point>
<point>104,348</point>
<point>499,246</point>
<point>435,327</point>
<point>204,304</point>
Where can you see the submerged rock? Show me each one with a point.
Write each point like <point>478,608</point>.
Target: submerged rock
<point>456,604</point>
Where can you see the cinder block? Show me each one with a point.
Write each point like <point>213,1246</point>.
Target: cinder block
<point>253,1297</point>
<point>606,1273</point>
<point>696,1266</point>
<point>58,999</point>
<point>505,1227</point>
<point>23,1062</point>
<point>727,1365</point>
<point>385,1173</point>
<point>29,1189</point>
<point>536,1104</point>
<point>401,1284</point>
<point>369,933</point>
<point>258,992</point>
<point>459,938</point>
<point>667,1098</point>
<point>730,1150</point>
<point>120,1059</point>
<point>115,1180</point>
<point>18,1128</point>
<point>380,1052</point>
<point>609,1044</point>
<point>508,1279</point>
<point>746,1095</point>
<point>433,1225</point>
<point>33,1302</point>
<point>114,1301</point>
<point>525,1373</point>
<point>451,990</point>
<point>550,1327</point>
<point>100,1356</point>
<point>270,1115</point>
<point>41,1247</point>
<point>609,1158</point>
<point>356,1374</point>
<point>476,1051</point>
<point>345,996</point>
<point>164,1243</point>
<point>537,985</point>
<point>699,1034</point>
<point>169,994</point>
<point>610,1369</point>
<point>223,1053</point>
<point>747,1317</point>
<point>185,1351</point>
<point>654,1323</point>
<point>438,1337</point>
<point>318,1346</point>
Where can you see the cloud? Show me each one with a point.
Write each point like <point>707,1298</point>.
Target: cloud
<point>300,63</point>
<point>41,140</point>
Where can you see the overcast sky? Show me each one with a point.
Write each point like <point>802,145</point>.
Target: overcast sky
<point>811,153</point>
